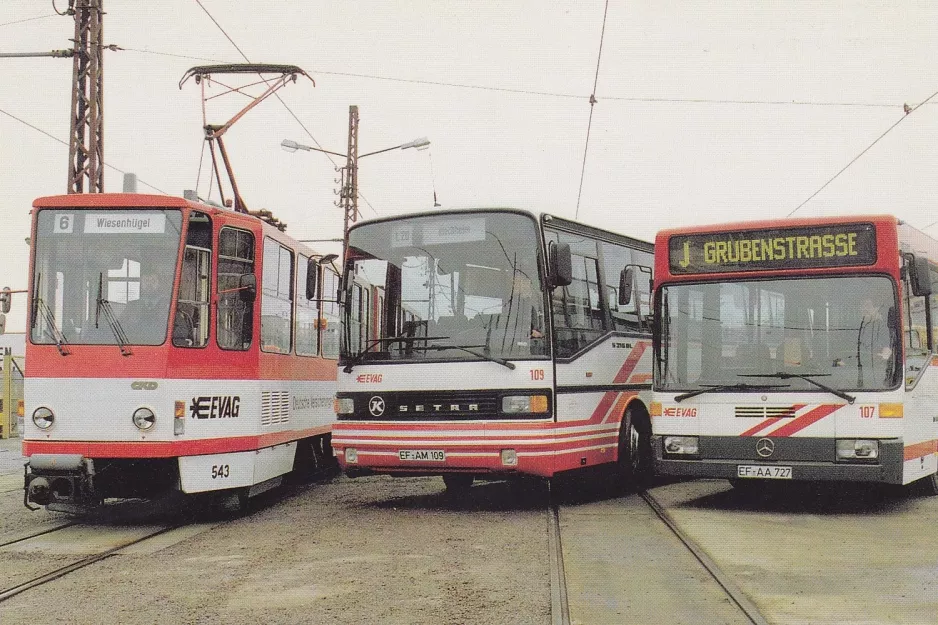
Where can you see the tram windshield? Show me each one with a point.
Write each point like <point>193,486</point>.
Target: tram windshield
<point>464,286</point>
<point>788,335</point>
<point>103,277</point>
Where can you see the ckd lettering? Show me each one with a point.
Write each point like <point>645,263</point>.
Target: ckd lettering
<point>215,407</point>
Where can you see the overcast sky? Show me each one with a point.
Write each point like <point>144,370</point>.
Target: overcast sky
<point>706,111</point>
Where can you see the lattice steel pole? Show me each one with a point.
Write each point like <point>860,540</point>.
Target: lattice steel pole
<point>350,176</point>
<point>86,145</point>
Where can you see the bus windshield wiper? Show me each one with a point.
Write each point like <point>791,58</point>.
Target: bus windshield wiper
<point>781,375</point>
<point>357,358</point>
<point>716,388</point>
<point>105,305</point>
<point>467,348</point>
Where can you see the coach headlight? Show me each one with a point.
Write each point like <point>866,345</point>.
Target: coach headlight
<point>344,405</point>
<point>681,445</point>
<point>518,404</point>
<point>144,418</point>
<point>43,418</point>
<point>857,449</point>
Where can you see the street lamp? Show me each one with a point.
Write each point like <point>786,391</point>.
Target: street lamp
<point>349,194</point>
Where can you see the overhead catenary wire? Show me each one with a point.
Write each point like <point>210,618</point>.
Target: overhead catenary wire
<point>65,143</point>
<point>906,113</point>
<point>592,101</point>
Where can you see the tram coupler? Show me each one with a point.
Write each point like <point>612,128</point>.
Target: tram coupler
<point>58,479</point>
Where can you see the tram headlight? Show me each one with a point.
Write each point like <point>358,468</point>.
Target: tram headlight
<point>857,449</point>
<point>681,445</point>
<point>43,418</point>
<point>516,404</point>
<point>144,418</point>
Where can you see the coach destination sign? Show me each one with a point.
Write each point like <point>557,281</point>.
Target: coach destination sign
<point>804,247</point>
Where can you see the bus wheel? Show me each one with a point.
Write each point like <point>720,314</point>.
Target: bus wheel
<point>931,484</point>
<point>457,483</point>
<point>633,467</point>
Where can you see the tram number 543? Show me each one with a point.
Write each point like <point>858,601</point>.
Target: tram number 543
<point>220,471</point>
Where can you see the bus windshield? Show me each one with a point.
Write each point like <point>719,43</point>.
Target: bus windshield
<point>842,332</point>
<point>464,286</point>
<point>103,277</point>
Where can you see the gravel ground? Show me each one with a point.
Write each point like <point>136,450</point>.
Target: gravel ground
<point>371,550</point>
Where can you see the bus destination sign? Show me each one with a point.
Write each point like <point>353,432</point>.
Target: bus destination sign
<point>807,247</point>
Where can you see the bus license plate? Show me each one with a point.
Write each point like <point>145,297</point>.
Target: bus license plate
<point>770,473</point>
<point>422,455</point>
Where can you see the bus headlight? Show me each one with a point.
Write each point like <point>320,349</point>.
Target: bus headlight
<point>857,449</point>
<point>517,404</point>
<point>681,445</point>
<point>144,418</point>
<point>344,405</point>
<point>43,418</point>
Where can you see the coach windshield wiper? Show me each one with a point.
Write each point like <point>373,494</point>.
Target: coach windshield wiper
<point>715,388</point>
<point>466,348</point>
<point>357,358</point>
<point>781,375</point>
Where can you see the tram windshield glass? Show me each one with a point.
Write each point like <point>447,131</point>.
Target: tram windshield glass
<point>464,286</point>
<point>788,335</point>
<point>103,277</point>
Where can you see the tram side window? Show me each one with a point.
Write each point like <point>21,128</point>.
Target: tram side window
<point>307,317</point>
<point>191,325</point>
<point>235,322</point>
<point>277,299</point>
<point>579,314</point>
<point>330,318</point>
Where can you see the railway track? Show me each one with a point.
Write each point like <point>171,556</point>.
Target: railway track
<point>560,598</point>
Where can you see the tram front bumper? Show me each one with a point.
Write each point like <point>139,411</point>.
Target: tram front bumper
<point>808,460</point>
<point>58,478</point>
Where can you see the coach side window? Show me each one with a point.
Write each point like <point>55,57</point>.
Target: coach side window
<point>235,322</point>
<point>277,298</point>
<point>307,315</point>
<point>579,309</point>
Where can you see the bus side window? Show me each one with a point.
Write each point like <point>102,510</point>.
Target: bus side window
<point>914,323</point>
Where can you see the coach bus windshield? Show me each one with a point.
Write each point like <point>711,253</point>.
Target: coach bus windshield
<point>463,286</point>
<point>103,277</point>
<point>839,331</point>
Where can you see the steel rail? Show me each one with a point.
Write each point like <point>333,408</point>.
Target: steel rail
<point>559,605</point>
<point>74,566</point>
<point>735,594</point>
<point>48,530</point>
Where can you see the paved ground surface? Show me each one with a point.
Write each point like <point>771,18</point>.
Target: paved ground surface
<point>381,550</point>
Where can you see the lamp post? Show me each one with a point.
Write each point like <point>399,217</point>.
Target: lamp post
<point>349,192</point>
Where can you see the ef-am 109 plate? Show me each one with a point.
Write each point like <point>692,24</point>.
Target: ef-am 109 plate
<point>422,455</point>
<point>763,472</point>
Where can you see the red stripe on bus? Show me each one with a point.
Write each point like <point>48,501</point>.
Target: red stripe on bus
<point>168,449</point>
<point>920,450</point>
<point>752,431</point>
<point>630,363</point>
<point>808,418</point>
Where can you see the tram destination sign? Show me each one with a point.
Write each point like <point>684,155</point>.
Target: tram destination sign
<point>804,247</point>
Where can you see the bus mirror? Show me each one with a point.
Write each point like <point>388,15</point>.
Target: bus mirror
<point>312,279</point>
<point>3,323</point>
<point>919,275</point>
<point>561,264</point>
<point>5,300</point>
<point>626,286</point>
<point>247,287</point>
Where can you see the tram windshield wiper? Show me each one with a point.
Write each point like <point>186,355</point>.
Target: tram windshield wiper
<point>40,306</point>
<point>807,377</point>
<point>105,305</point>
<point>357,358</point>
<point>468,349</point>
<point>716,388</point>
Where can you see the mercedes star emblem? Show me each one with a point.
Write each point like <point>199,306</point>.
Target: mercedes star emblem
<point>376,406</point>
<point>765,447</point>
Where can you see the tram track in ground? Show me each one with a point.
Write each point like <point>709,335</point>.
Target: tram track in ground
<point>560,596</point>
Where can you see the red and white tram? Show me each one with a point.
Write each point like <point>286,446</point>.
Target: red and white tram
<point>172,345</point>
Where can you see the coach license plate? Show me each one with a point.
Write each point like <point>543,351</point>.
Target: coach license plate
<point>769,473</point>
<point>422,455</point>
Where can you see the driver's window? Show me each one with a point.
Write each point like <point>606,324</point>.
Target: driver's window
<point>914,324</point>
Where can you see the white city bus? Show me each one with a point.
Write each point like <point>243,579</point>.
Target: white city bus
<point>799,349</point>
<point>491,342</point>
